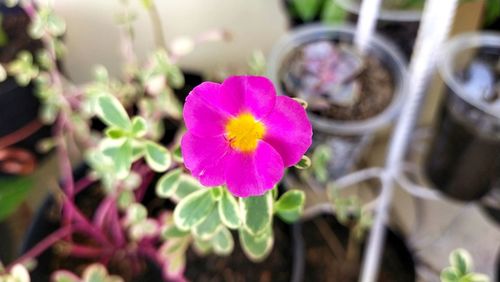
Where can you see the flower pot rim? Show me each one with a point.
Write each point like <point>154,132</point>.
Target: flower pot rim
<point>382,47</point>
<point>454,47</point>
<point>396,15</point>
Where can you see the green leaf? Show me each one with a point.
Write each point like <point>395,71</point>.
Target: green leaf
<point>333,13</point>
<point>306,9</point>
<point>304,163</point>
<point>209,226</point>
<point>193,209</point>
<point>290,206</point>
<point>222,242</point>
<point>95,273</point>
<point>125,199</point>
<point>257,248</point>
<point>111,111</point>
<point>461,260</point>
<point>187,185</point>
<point>216,193</point>
<point>157,157</point>
<point>13,191</point>
<point>64,276</point>
<point>174,251</point>
<point>121,154</point>
<point>202,247</point>
<point>257,213</point>
<point>139,127</point>
<point>135,214</point>
<point>175,78</point>
<point>168,183</point>
<point>291,200</point>
<point>492,11</point>
<point>449,274</point>
<point>229,210</point>
<point>320,159</point>
<point>475,277</point>
<point>55,25</point>
<point>115,133</point>
<point>177,154</point>
<point>173,232</point>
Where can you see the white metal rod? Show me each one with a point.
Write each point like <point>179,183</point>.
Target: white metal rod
<point>435,24</point>
<point>367,20</point>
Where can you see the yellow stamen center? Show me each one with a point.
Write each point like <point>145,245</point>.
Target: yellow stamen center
<point>244,132</point>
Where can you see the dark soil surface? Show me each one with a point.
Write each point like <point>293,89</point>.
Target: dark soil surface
<point>238,268</point>
<point>376,90</point>
<point>325,238</point>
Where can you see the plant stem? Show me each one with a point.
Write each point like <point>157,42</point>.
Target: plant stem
<point>147,177</point>
<point>157,26</point>
<point>83,183</point>
<point>43,245</point>
<point>88,227</point>
<point>116,227</point>
<point>20,134</point>
<point>82,251</point>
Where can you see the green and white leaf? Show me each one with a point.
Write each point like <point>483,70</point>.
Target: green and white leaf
<point>256,213</point>
<point>136,213</point>
<point>193,209</point>
<point>187,185</point>
<point>112,113</point>
<point>120,152</point>
<point>290,206</point>
<point>304,163</point>
<point>461,260</point>
<point>139,127</point>
<point>257,248</point>
<point>223,242</point>
<point>208,227</point>
<point>229,210</point>
<point>157,157</point>
<point>167,185</point>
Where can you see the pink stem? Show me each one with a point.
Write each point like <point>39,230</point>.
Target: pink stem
<point>116,227</point>
<point>43,245</point>
<point>147,177</point>
<point>89,228</point>
<point>101,213</point>
<point>83,183</point>
<point>86,251</point>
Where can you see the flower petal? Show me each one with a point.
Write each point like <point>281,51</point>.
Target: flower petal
<point>201,116</point>
<point>288,130</point>
<point>253,174</point>
<point>255,94</point>
<point>205,157</point>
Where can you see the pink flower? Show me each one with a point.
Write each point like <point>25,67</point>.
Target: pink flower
<point>241,134</point>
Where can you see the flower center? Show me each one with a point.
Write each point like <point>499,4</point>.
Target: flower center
<point>244,132</point>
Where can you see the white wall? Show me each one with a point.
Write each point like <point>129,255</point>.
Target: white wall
<point>93,38</point>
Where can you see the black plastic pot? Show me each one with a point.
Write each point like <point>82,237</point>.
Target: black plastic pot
<point>18,105</point>
<point>46,221</point>
<point>464,157</point>
<point>18,108</point>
